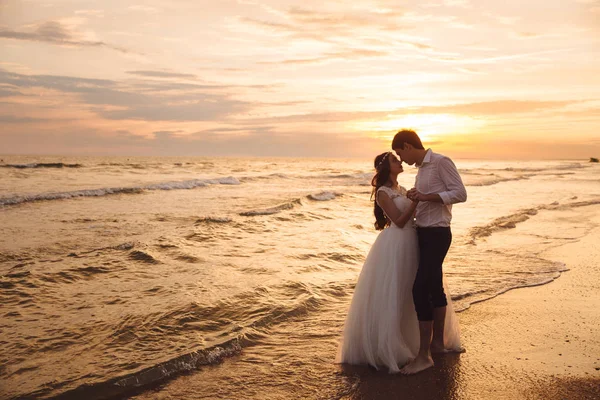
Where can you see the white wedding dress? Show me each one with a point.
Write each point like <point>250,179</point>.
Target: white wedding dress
<point>381,328</point>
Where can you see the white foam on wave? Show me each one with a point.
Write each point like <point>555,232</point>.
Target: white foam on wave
<point>512,220</point>
<point>272,210</point>
<point>323,196</point>
<point>190,184</point>
<point>496,179</point>
<point>65,195</point>
<point>41,165</point>
<point>358,175</point>
<point>532,169</point>
<point>216,220</point>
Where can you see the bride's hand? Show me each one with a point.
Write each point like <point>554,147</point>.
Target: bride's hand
<point>411,194</point>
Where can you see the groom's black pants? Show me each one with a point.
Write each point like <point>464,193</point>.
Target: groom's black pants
<point>428,290</point>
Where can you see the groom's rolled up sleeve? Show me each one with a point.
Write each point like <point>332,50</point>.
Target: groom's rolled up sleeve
<point>456,192</point>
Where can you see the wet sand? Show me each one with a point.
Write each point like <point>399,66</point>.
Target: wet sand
<point>533,343</point>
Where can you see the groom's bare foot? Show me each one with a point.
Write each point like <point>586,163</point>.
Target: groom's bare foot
<point>437,348</point>
<point>417,365</point>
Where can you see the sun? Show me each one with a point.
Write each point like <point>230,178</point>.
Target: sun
<point>429,126</point>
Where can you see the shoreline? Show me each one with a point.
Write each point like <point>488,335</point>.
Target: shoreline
<point>506,357</point>
<point>533,343</point>
<point>532,367</point>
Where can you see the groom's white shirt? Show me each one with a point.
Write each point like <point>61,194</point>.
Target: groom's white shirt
<point>438,174</point>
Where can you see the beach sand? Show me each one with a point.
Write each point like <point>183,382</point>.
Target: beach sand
<point>539,342</point>
<point>532,343</point>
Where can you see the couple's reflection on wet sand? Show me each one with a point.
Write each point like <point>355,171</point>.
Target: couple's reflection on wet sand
<point>442,382</point>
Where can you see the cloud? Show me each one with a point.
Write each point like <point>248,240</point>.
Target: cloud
<point>346,54</point>
<point>213,108</point>
<point>122,101</point>
<point>162,74</point>
<point>175,102</point>
<point>457,3</point>
<point>313,118</point>
<point>451,21</point>
<point>528,35</point>
<point>61,83</point>
<point>143,8</point>
<point>470,71</point>
<point>326,26</point>
<point>506,20</point>
<point>492,60</point>
<point>11,119</point>
<point>91,13</point>
<point>350,34</point>
<point>260,141</point>
<point>494,107</point>
<point>57,33</point>
<point>9,92</point>
<point>536,35</point>
<point>342,21</point>
<point>488,108</point>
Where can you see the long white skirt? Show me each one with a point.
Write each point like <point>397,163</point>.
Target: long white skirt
<point>381,328</point>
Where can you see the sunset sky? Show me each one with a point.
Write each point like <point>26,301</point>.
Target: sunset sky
<point>479,79</point>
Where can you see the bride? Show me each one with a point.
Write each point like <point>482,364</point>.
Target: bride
<point>381,328</point>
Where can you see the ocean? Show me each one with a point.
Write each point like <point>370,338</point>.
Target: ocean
<point>118,274</point>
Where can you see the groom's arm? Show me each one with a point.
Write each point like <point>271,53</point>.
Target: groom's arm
<point>456,192</point>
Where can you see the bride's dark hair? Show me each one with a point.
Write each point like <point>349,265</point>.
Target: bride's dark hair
<point>382,175</point>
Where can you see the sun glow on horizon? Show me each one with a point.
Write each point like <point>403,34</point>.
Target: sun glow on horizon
<point>428,126</point>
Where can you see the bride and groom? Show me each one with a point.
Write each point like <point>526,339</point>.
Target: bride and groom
<point>400,312</point>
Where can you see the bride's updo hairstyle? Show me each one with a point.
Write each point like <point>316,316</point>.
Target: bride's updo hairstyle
<point>382,174</point>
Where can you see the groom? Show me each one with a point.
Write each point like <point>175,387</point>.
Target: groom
<point>438,185</point>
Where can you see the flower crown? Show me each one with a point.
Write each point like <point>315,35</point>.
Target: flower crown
<point>385,157</point>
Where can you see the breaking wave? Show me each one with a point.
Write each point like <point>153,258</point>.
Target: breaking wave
<point>189,184</point>
<point>41,165</point>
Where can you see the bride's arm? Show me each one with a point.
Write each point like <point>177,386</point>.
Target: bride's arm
<point>390,209</point>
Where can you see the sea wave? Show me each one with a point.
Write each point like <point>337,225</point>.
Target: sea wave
<point>464,301</point>
<point>360,176</point>
<point>41,165</point>
<point>272,210</point>
<point>505,222</point>
<point>357,175</point>
<point>561,167</point>
<point>323,196</point>
<point>213,220</point>
<point>276,175</point>
<point>193,183</point>
<point>189,184</point>
<point>498,179</point>
<point>510,221</point>
<point>239,322</point>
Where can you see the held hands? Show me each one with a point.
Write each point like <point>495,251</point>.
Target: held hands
<point>414,195</point>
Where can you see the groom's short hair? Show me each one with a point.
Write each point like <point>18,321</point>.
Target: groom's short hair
<point>407,136</point>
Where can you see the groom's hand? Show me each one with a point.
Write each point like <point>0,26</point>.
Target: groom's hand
<point>412,194</point>
<point>418,196</point>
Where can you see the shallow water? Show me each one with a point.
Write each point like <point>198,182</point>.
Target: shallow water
<point>130,270</point>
